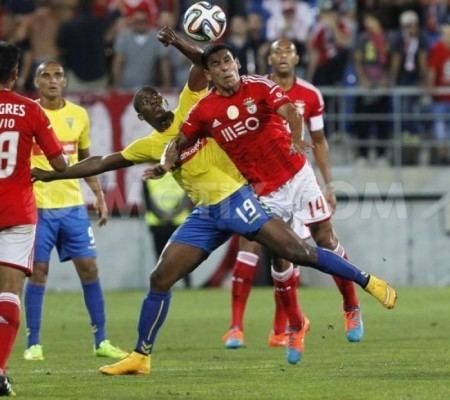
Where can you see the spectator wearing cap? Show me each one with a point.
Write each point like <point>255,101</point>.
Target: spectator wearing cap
<point>438,77</point>
<point>408,64</point>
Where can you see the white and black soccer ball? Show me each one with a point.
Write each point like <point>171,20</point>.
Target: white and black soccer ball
<point>204,22</point>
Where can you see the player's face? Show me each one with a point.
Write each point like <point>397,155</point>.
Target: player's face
<point>223,70</point>
<point>50,81</point>
<point>152,107</point>
<point>283,57</point>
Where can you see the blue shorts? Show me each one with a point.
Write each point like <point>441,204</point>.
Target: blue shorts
<point>68,229</point>
<point>210,226</point>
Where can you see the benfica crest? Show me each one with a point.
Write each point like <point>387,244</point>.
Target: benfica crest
<point>300,106</point>
<point>249,103</point>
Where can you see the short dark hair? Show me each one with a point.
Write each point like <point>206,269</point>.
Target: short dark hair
<point>137,99</point>
<point>212,49</point>
<point>9,60</point>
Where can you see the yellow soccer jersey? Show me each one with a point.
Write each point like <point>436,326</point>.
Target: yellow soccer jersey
<point>206,173</point>
<point>71,124</point>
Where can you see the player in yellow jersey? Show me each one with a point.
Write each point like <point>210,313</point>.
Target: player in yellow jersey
<point>62,216</point>
<point>224,204</point>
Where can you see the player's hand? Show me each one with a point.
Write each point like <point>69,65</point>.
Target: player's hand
<point>300,147</point>
<point>167,36</point>
<point>38,174</point>
<point>156,171</point>
<point>330,197</point>
<point>102,210</point>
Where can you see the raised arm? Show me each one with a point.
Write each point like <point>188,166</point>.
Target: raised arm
<point>197,79</point>
<point>88,167</point>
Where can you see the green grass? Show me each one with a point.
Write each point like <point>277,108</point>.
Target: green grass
<point>405,353</point>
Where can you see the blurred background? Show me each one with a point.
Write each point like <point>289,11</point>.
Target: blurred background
<point>383,67</point>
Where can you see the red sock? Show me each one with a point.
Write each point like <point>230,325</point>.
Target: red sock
<point>244,270</point>
<point>286,286</point>
<point>280,319</point>
<point>347,288</point>
<point>9,325</point>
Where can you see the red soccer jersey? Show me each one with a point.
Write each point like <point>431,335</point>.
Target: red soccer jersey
<point>439,61</point>
<point>309,102</point>
<point>250,131</point>
<point>21,120</point>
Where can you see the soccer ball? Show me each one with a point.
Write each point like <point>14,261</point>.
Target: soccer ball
<point>204,21</point>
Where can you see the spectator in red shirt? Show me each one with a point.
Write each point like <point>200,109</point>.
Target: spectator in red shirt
<point>439,78</point>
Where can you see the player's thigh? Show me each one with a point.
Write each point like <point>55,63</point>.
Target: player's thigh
<point>283,242</point>
<point>47,231</point>
<point>310,203</point>
<point>76,238</point>
<point>16,247</point>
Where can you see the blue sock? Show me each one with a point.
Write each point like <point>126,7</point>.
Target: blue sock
<point>332,264</point>
<point>34,299</point>
<point>93,298</point>
<point>153,314</point>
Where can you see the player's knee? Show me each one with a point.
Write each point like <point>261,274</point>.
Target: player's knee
<point>39,276</point>
<point>300,253</point>
<point>159,281</point>
<point>326,241</point>
<point>88,274</point>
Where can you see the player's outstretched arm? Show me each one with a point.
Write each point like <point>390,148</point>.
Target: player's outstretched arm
<point>88,167</point>
<point>58,163</point>
<point>169,158</point>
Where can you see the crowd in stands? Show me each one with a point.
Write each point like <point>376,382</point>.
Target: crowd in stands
<point>370,44</point>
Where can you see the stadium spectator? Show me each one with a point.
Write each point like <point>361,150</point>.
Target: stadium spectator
<point>435,14</point>
<point>139,43</point>
<point>63,220</point>
<point>408,66</point>
<point>257,45</point>
<point>329,47</point>
<point>40,32</point>
<point>293,20</point>
<point>81,42</point>
<point>179,66</point>
<point>439,78</point>
<point>371,58</point>
<point>283,58</point>
<point>237,39</point>
<point>23,122</point>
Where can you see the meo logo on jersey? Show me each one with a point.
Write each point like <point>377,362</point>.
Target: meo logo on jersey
<point>240,128</point>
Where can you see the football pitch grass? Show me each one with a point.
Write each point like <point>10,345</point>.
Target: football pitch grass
<point>405,353</point>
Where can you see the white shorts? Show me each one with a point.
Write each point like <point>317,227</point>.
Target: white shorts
<point>299,201</point>
<point>17,247</point>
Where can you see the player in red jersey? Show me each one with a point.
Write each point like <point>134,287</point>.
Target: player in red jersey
<point>283,58</point>
<point>244,114</point>
<point>21,121</point>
